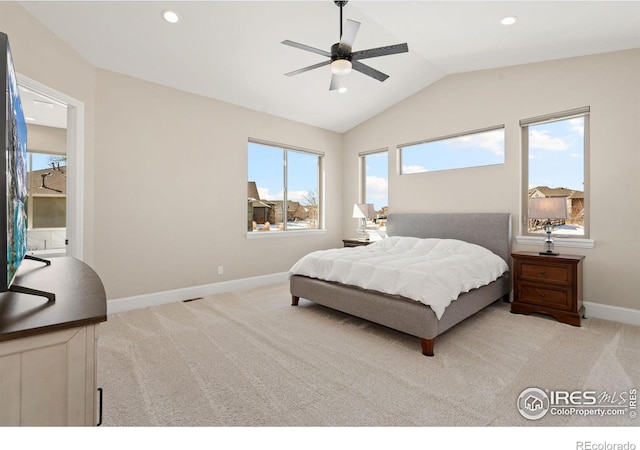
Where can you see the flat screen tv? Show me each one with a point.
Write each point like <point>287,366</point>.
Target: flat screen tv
<point>13,178</point>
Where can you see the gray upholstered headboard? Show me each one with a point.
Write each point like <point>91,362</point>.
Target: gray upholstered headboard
<point>490,230</point>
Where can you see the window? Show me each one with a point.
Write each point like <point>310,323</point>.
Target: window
<point>475,148</point>
<point>46,201</point>
<point>555,155</point>
<point>284,190</point>
<point>375,180</point>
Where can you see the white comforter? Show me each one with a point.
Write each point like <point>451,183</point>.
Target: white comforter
<point>432,271</point>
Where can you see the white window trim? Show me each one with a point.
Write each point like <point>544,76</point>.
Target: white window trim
<point>321,224</point>
<point>362,181</point>
<point>573,242</point>
<point>564,241</point>
<point>401,147</point>
<point>284,234</point>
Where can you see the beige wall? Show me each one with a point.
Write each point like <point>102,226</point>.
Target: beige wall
<point>608,83</point>
<point>171,188</point>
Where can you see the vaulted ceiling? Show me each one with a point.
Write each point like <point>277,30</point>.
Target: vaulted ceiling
<point>232,50</point>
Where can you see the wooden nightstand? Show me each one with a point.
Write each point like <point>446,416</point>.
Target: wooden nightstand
<point>355,242</point>
<point>549,285</point>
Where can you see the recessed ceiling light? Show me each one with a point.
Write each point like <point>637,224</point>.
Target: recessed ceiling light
<point>509,20</point>
<point>170,16</point>
<point>342,90</point>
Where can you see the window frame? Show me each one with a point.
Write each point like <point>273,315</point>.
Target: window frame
<point>320,209</point>
<point>401,148</point>
<point>362,187</point>
<point>561,239</point>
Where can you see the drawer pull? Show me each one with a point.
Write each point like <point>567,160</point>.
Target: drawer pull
<point>99,407</point>
<point>542,272</point>
<point>541,294</point>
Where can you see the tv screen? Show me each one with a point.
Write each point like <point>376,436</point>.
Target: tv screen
<point>13,170</point>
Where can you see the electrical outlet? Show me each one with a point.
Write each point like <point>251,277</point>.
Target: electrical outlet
<point>220,270</point>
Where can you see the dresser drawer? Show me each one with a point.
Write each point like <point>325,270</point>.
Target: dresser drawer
<point>556,298</point>
<point>560,274</point>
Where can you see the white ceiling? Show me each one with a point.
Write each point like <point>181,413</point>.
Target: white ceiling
<point>232,50</point>
<point>42,110</point>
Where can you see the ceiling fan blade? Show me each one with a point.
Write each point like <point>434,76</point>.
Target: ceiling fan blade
<point>335,82</point>
<point>380,51</point>
<point>373,73</point>
<point>306,69</point>
<point>348,36</point>
<point>307,48</point>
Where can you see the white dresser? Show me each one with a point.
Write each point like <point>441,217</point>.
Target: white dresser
<point>48,350</point>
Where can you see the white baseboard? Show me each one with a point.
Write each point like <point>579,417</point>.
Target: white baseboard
<point>615,313</point>
<point>595,310</point>
<point>159,298</point>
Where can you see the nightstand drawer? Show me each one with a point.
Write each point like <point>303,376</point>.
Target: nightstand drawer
<point>549,285</point>
<point>547,273</point>
<point>557,298</point>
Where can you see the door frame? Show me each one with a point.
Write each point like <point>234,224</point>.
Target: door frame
<point>75,162</point>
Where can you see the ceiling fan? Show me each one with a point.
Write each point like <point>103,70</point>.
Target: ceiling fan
<point>342,59</point>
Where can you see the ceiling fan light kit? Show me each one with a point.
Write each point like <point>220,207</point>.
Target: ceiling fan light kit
<point>341,57</point>
<point>341,67</point>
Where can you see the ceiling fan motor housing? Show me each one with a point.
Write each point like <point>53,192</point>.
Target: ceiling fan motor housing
<point>337,54</point>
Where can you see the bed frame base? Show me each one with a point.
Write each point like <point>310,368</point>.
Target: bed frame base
<point>427,344</point>
<point>489,230</point>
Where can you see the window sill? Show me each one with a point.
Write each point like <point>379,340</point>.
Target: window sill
<point>283,234</point>
<point>558,241</point>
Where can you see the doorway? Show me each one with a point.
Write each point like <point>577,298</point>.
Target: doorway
<point>55,144</point>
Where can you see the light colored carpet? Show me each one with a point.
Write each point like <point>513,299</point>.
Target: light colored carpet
<point>249,358</point>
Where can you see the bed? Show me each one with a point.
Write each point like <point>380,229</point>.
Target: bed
<point>489,230</point>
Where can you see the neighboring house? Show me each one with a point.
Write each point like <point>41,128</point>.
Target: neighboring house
<point>258,211</point>
<point>296,212</point>
<point>575,201</point>
<point>261,211</point>
<point>47,208</point>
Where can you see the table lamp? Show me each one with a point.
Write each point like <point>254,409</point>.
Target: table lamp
<point>548,208</point>
<point>363,211</point>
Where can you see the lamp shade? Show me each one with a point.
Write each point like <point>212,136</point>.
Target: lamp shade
<point>547,208</point>
<point>363,211</point>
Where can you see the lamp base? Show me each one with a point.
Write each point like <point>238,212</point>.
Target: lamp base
<point>549,253</point>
